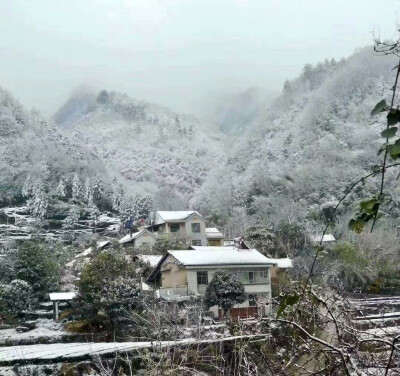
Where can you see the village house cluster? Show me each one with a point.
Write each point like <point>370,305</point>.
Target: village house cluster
<point>181,274</point>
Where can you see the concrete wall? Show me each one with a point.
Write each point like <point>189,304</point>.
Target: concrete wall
<point>144,239</point>
<point>215,242</point>
<point>185,229</point>
<point>196,235</point>
<point>264,289</point>
<point>172,275</point>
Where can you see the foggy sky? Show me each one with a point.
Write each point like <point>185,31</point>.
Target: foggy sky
<point>175,52</point>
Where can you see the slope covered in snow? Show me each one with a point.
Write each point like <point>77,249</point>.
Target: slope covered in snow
<point>151,146</point>
<point>307,147</point>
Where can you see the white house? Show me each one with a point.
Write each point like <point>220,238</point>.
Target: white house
<point>189,224</point>
<point>137,239</point>
<point>184,273</point>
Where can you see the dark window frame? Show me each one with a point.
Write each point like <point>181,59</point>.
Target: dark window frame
<point>196,240</point>
<point>176,226</point>
<point>202,276</point>
<point>197,226</point>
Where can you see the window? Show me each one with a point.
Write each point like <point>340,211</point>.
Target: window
<point>195,227</point>
<point>174,227</point>
<point>202,278</point>
<point>252,300</point>
<point>262,276</point>
<point>253,277</point>
<point>196,242</point>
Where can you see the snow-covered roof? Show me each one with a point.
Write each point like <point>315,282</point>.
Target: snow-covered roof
<point>128,238</point>
<point>213,248</point>
<point>88,251</point>
<point>61,296</point>
<point>101,245</point>
<point>171,216</point>
<point>153,260</point>
<point>326,238</point>
<point>230,256</point>
<point>283,263</point>
<point>214,233</point>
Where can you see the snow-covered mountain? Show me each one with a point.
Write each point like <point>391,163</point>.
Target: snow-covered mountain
<point>308,146</point>
<point>31,145</point>
<point>286,161</point>
<point>152,147</point>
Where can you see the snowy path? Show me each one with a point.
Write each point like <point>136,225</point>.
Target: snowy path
<point>58,351</point>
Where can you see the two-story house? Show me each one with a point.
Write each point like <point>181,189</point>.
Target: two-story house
<point>181,274</point>
<point>187,224</point>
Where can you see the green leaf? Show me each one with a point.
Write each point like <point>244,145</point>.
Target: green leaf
<point>292,299</point>
<point>376,169</point>
<point>289,300</point>
<point>356,225</point>
<point>379,108</point>
<point>369,206</point>
<point>393,117</point>
<point>281,308</point>
<point>394,150</point>
<point>389,133</point>
<point>382,148</point>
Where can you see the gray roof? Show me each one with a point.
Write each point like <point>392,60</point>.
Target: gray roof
<point>216,256</point>
<point>326,238</point>
<point>173,216</point>
<point>213,233</point>
<point>129,238</point>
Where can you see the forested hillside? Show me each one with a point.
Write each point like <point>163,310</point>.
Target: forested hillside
<point>306,148</point>
<point>31,145</point>
<point>285,162</point>
<point>156,150</point>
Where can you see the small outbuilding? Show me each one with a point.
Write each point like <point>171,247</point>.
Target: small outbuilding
<point>57,297</point>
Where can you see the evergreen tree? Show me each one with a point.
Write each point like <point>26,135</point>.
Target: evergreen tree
<point>97,189</point>
<point>36,264</point>
<point>107,283</point>
<point>143,205</point>
<point>87,190</point>
<point>224,290</point>
<point>27,188</point>
<point>76,188</point>
<point>93,213</point>
<point>16,297</point>
<point>118,196</point>
<point>72,218</point>
<point>38,202</point>
<point>62,188</point>
<point>126,210</point>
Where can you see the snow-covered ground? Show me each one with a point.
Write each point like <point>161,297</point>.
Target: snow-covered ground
<point>45,329</point>
<point>69,351</point>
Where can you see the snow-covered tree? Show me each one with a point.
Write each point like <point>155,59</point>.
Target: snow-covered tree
<point>16,297</point>
<point>117,197</point>
<point>97,187</point>
<point>36,264</point>
<point>72,218</point>
<point>27,188</point>
<point>88,190</point>
<point>93,213</point>
<point>143,206</point>
<point>108,283</point>
<point>38,202</point>
<point>126,210</point>
<point>61,188</point>
<point>224,290</point>
<point>76,188</point>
